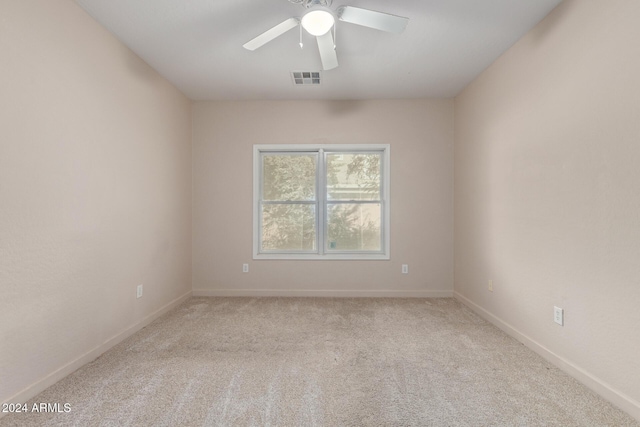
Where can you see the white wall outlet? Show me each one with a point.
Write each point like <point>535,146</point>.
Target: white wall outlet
<point>245,268</point>
<point>558,315</point>
<point>139,291</point>
<point>490,285</point>
<point>405,268</point>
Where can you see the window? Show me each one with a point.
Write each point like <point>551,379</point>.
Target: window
<point>321,202</point>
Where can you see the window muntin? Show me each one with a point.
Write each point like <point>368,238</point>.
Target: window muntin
<point>322,202</point>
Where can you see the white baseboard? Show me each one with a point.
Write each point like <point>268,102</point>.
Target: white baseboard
<point>621,400</point>
<point>321,293</point>
<point>92,354</point>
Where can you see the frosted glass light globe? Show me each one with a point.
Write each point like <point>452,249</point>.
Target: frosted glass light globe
<point>317,22</point>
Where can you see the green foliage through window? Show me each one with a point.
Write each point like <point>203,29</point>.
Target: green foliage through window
<point>340,193</point>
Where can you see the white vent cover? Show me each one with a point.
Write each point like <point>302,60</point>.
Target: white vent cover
<point>306,78</point>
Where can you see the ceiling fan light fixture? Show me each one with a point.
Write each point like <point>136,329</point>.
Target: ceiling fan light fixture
<point>317,22</point>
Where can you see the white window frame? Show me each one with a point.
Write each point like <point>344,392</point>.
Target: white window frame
<point>322,253</point>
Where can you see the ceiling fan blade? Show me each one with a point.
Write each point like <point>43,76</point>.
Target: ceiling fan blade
<point>372,19</point>
<point>271,34</point>
<point>327,50</point>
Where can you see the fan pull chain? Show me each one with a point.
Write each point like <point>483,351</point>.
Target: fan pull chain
<point>301,44</point>
<point>334,36</point>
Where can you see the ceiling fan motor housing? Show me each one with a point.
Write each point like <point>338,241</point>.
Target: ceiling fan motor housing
<point>311,3</point>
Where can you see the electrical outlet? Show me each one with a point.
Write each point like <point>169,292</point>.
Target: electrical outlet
<point>405,268</point>
<point>490,285</point>
<point>139,291</point>
<point>558,315</point>
<point>245,268</point>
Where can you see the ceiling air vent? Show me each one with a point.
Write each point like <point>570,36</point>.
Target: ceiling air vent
<point>306,78</point>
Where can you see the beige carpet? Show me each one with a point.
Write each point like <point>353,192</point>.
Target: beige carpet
<point>331,362</point>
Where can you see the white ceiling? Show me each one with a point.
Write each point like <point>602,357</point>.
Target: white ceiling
<point>197,45</point>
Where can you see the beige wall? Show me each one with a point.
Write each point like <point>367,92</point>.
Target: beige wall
<point>95,192</point>
<point>547,192</point>
<point>421,136</point>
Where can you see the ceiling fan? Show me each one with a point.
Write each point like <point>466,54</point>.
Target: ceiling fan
<point>320,19</point>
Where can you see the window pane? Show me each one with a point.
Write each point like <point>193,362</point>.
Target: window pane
<point>353,176</point>
<point>288,177</point>
<point>289,227</point>
<point>354,227</point>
